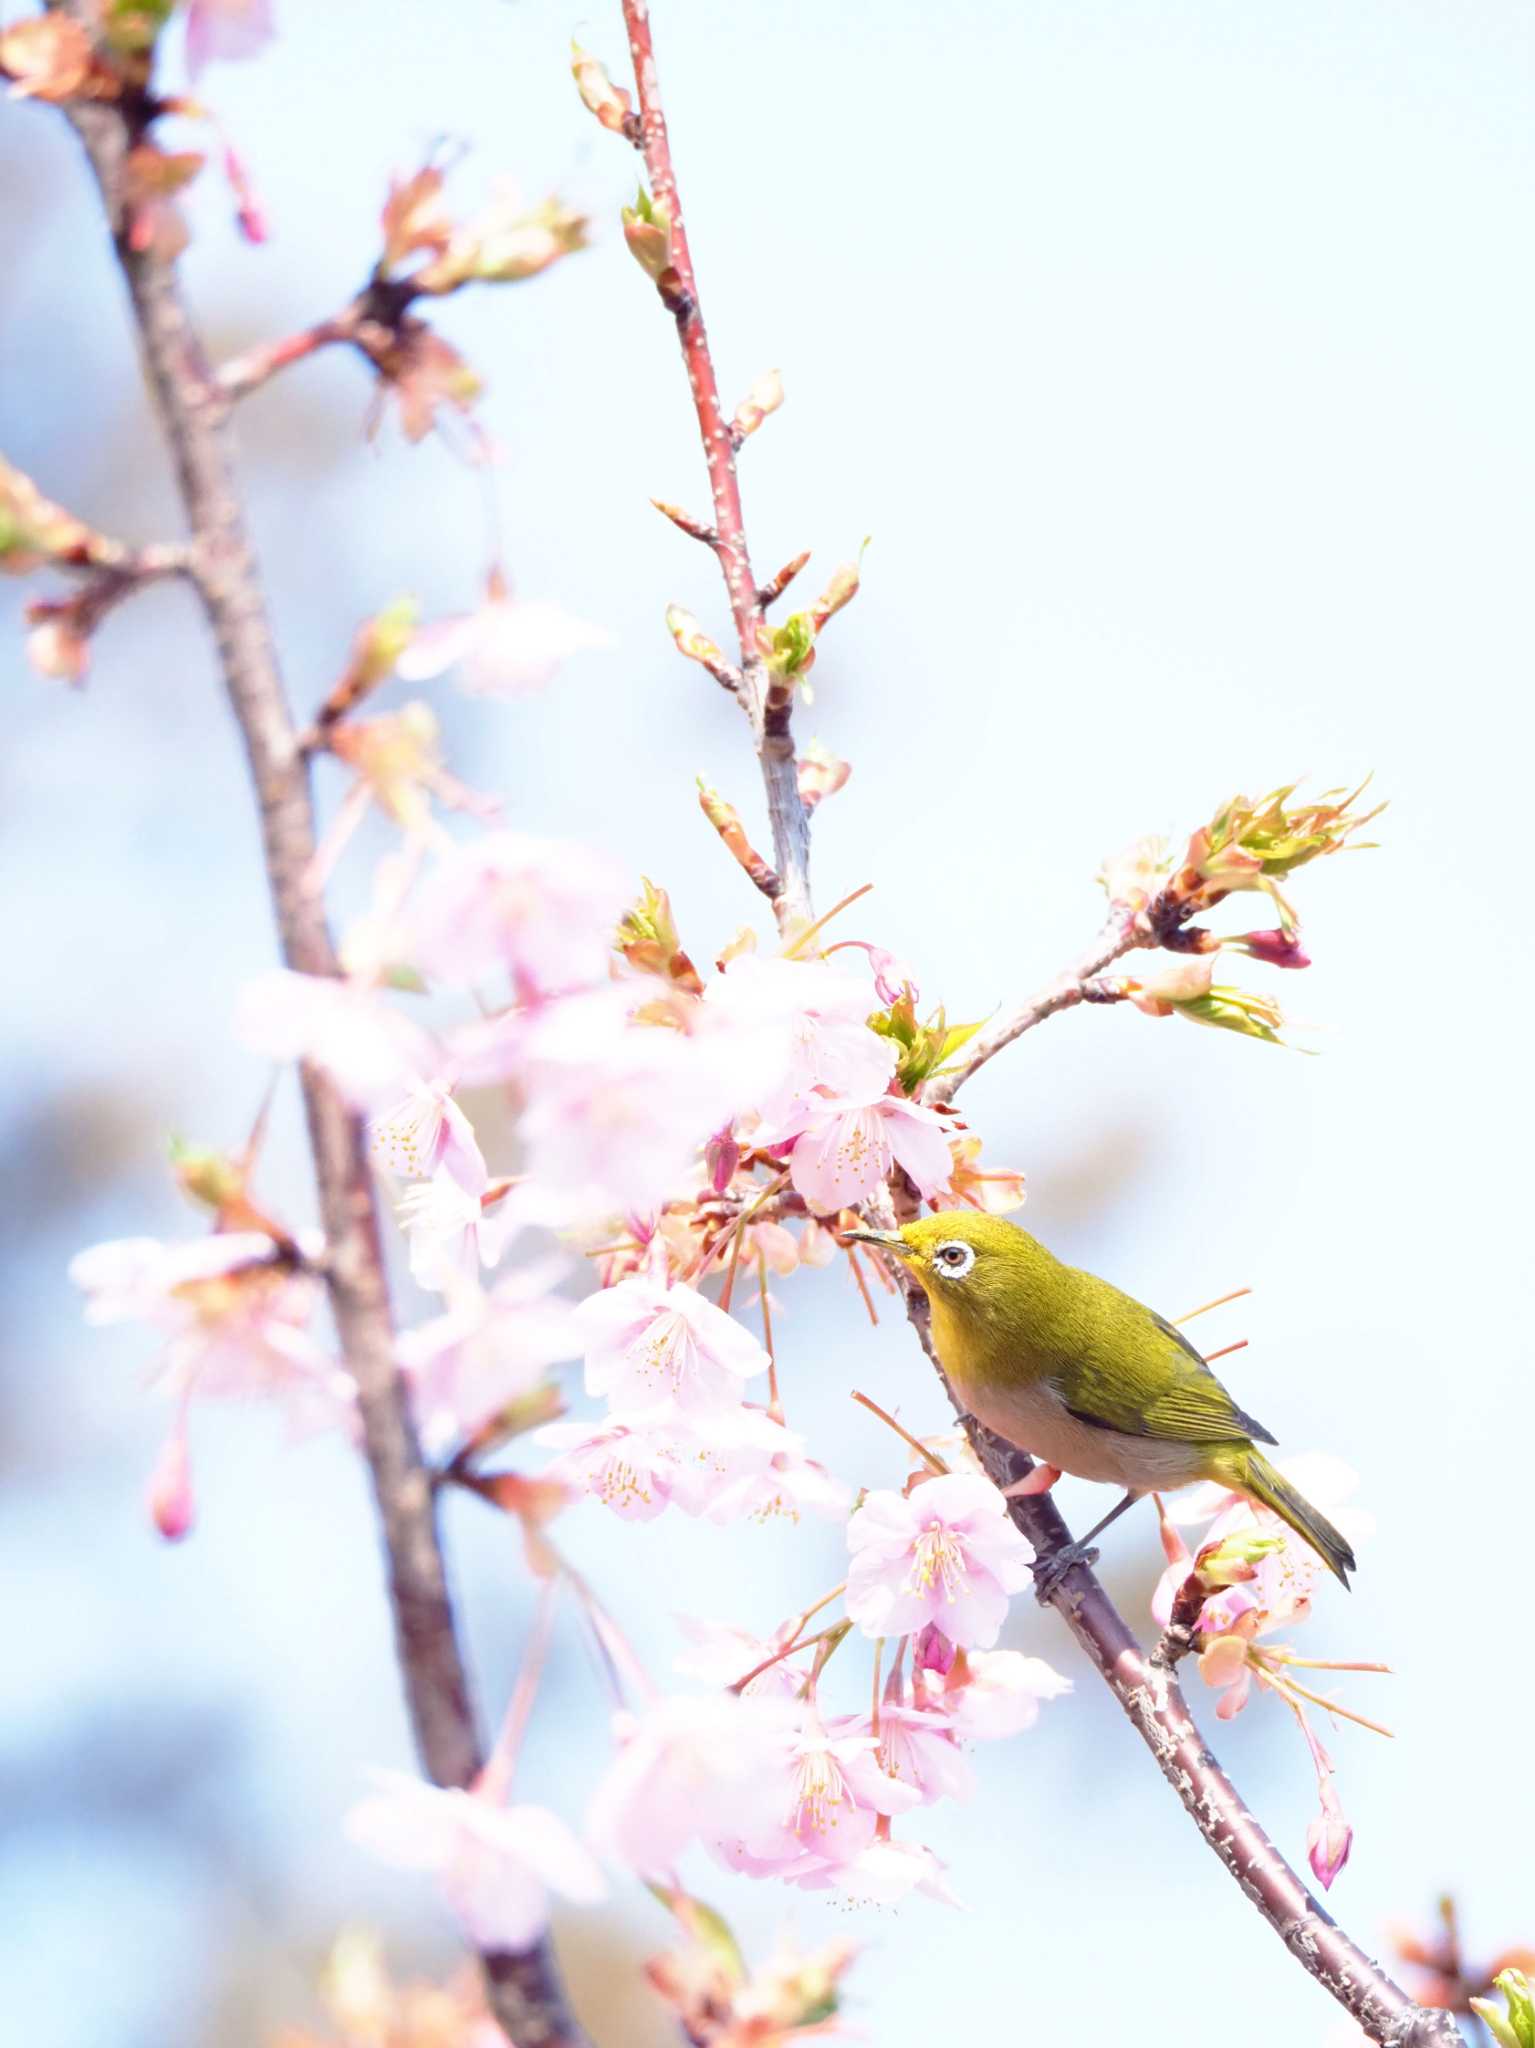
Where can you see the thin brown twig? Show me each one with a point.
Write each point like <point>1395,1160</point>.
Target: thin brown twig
<point>769,700</point>
<point>522,1987</point>
<point>1069,988</point>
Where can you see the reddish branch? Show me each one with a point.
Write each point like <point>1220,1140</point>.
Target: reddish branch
<point>1149,1693</point>
<point>768,699</point>
<point>523,1988</point>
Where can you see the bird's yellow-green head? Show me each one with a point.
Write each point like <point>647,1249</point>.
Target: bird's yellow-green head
<point>974,1269</point>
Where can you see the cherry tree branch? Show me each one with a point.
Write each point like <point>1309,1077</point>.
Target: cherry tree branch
<point>523,1988</point>
<point>1147,1690</point>
<point>1153,1701</point>
<point>1118,937</point>
<point>768,699</point>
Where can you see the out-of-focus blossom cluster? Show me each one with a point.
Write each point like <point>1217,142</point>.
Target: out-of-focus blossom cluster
<point>1250,1577</point>
<point>365,2008</point>
<point>1447,1978</point>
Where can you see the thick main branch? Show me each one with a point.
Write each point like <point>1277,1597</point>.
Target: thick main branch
<point>523,1988</point>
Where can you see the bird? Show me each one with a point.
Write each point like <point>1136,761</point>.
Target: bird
<point>1086,1379</point>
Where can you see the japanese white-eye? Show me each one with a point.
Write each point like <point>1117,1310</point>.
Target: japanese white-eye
<point>1068,1368</point>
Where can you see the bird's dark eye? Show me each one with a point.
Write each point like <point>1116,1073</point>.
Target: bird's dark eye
<point>954,1259</point>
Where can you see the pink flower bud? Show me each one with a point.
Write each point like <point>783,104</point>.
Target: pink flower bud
<point>1328,1842</point>
<point>722,1155</point>
<point>932,1651</point>
<point>1279,948</point>
<point>171,1507</point>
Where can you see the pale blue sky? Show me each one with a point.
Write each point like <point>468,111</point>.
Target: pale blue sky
<point>1177,359</point>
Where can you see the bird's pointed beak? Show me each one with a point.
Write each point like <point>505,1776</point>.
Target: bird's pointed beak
<point>886,1240</point>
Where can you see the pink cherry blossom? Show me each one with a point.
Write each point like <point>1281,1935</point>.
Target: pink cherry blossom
<point>424,1131</point>
<point>487,1351</point>
<point>1283,1582</point>
<point>882,1874</point>
<point>780,1484</point>
<point>802,1030</point>
<point>226,29</point>
<point>727,1465</point>
<point>654,1348</point>
<point>542,911</point>
<point>496,1864</point>
<point>634,1471</point>
<point>996,1693</point>
<point>617,1110</point>
<point>234,1312</point>
<point>722,1655</point>
<point>691,1766</point>
<point>451,1232</point>
<point>825,1792</point>
<point>508,648</point>
<point>946,1553</point>
<point>848,1149</point>
<point>918,1747</point>
<point>374,1054</point>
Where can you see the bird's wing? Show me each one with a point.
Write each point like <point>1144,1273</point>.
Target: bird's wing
<point>1138,1374</point>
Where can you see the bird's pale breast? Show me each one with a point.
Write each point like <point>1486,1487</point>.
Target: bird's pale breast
<point>1031,1414</point>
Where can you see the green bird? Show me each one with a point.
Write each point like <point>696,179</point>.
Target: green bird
<point>1087,1380</point>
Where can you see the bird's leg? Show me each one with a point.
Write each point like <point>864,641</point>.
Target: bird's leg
<point>1040,1480</point>
<point>1049,1571</point>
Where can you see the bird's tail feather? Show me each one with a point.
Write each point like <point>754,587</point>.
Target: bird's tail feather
<point>1275,1491</point>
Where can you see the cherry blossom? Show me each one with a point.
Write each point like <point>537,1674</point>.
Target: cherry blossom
<point>425,1131</point>
<point>991,1694</point>
<point>803,1030</point>
<point>489,1350</point>
<point>882,1873</point>
<point>235,1312</point>
<point>617,1109</point>
<point>1280,1589</point>
<point>848,1149</point>
<point>542,911</point>
<point>635,1471</point>
<point>507,648</point>
<point>496,1864</point>
<point>654,1348</point>
<point>946,1553</point>
<point>452,1230</point>
<point>722,1655</point>
<point>728,1465</point>
<point>690,1766</point>
<point>918,1746</point>
<point>825,1793</point>
<point>374,1054</point>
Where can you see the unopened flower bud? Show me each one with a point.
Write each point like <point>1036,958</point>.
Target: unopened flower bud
<point>648,231</point>
<point>171,1506</point>
<point>765,396</point>
<point>209,1177</point>
<point>722,1155</point>
<point>1279,948</point>
<point>820,775</point>
<point>599,95</point>
<point>932,1651</point>
<point>1329,1839</point>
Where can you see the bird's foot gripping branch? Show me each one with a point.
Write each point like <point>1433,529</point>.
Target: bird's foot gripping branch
<point>704,1136</point>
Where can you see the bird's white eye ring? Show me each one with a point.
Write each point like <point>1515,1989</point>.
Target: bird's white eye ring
<point>954,1259</point>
